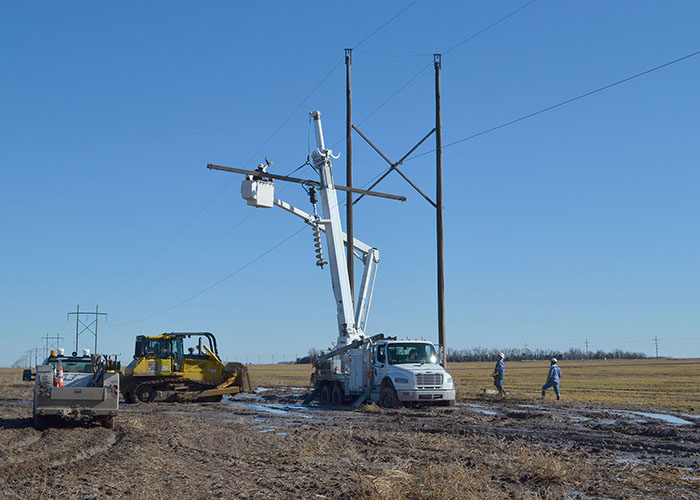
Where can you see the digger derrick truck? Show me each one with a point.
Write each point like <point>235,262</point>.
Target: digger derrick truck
<point>359,368</point>
<point>161,367</point>
<point>76,388</point>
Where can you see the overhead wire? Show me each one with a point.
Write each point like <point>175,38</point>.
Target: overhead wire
<point>318,85</point>
<point>457,45</point>
<point>560,104</point>
<point>220,281</point>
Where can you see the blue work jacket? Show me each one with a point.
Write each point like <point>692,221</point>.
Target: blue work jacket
<point>554,373</point>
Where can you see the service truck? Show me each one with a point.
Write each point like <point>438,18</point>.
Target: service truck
<point>76,388</point>
<point>358,368</point>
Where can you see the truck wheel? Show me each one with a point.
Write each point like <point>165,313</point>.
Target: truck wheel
<point>388,398</point>
<point>324,397</point>
<point>144,393</point>
<point>108,422</point>
<point>337,396</point>
<point>39,422</point>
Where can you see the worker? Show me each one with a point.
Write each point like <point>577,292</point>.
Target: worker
<point>413,356</point>
<point>552,379</point>
<point>498,373</point>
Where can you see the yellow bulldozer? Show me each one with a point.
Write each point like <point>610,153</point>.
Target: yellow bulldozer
<point>162,369</point>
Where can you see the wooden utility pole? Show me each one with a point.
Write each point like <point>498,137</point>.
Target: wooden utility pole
<point>348,172</point>
<point>438,202</point>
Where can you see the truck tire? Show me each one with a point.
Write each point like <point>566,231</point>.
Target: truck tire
<point>39,422</point>
<point>144,393</point>
<point>108,422</point>
<point>324,396</point>
<point>337,396</point>
<point>388,398</point>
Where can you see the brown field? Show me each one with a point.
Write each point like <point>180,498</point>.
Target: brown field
<point>671,384</point>
<point>587,446</point>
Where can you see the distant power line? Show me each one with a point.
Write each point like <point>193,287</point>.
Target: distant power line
<point>563,103</point>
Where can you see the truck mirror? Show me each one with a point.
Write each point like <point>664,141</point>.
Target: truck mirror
<point>27,375</point>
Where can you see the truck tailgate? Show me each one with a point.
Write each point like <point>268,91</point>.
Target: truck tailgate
<point>78,393</point>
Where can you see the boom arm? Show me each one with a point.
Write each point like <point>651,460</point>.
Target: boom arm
<point>258,191</point>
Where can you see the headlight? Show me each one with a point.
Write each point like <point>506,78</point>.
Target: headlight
<point>449,380</point>
<point>400,380</point>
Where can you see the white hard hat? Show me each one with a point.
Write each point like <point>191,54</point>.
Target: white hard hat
<point>554,360</point>
<point>501,355</point>
<point>86,352</point>
<point>61,350</point>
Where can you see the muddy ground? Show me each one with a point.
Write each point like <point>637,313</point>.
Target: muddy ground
<point>268,446</point>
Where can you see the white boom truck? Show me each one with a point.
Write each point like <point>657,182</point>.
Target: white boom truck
<point>359,368</point>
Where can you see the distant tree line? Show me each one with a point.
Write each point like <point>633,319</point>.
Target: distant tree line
<point>520,354</point>
<point>311,358</point>
<point>512,354</point>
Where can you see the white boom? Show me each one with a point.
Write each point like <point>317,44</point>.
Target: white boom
<point>259,192</point>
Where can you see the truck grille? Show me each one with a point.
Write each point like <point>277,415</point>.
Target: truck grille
<point>431,379</point>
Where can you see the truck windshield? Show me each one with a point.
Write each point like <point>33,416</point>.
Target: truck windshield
<point>72,365</point>
<point>411,352</point>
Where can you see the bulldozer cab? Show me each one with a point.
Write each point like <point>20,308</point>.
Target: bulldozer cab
<point>166,352</point>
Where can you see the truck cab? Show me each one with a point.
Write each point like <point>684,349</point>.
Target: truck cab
<point>409,372</point>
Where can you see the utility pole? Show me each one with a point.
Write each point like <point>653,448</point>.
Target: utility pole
<point>587,355</point>
<point>437,204</point>
<point>53,344</point>
<point>88,327</point>
<point>438,201</point>
<point>348,173</point>
<point>656,341</point>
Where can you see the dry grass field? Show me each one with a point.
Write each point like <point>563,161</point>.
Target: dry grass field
<point>672,384</point>
<point>591,445</point>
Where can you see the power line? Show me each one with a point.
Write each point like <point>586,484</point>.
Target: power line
<point>228,183</point>
<point>489,27</point>
<point>563,103</point>
<point>385,24</point>
<point>247,264</point>
<point>430,64</point>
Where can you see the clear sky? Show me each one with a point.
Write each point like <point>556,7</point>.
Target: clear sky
<point>579,223</point>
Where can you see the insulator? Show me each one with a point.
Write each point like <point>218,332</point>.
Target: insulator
<point>318,248</point>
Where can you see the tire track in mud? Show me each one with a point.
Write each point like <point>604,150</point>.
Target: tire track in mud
<point>36,448</point>
<point>113,439</point>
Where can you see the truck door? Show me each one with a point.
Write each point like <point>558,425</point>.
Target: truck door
<point>380,364</point>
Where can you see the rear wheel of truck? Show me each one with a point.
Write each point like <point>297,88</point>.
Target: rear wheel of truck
<point>39,422</point>
<point>144,393</point>
<point>337,396</point>
<point>324,396</point>
<point>107,422</point>
<point>388,398</point>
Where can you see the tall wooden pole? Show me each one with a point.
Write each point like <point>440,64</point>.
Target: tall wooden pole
<point>348,174</point>
<point>438,202</point>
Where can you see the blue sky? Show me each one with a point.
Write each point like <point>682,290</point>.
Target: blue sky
<point>580,223</point>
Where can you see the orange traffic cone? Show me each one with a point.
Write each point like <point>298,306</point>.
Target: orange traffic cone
<point>60,376</point>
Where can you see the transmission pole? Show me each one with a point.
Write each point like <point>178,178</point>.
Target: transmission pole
<point>587,355</point>
<point>48,347</point>
<point>88,327</point>
<point>656,341</point>
<point>348,173</point>
<point>438,202</point>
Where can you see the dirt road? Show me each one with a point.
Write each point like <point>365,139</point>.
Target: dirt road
<point>269,446</point>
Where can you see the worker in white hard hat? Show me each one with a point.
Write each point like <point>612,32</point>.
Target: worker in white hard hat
<point>498,373</point>
<point>552,379</point>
